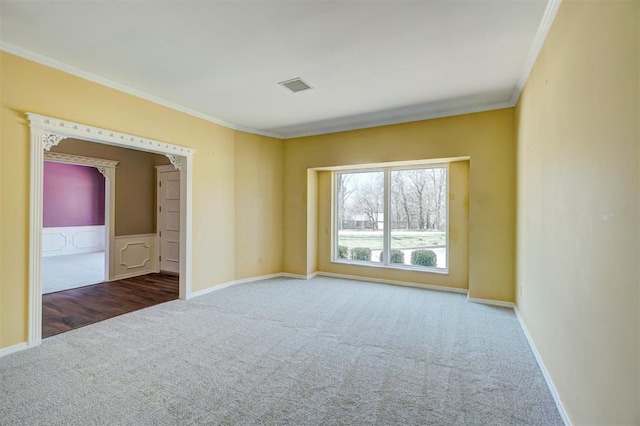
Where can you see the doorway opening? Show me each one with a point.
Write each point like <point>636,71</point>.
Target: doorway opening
<point>76,214</point>
<point>47,132</point>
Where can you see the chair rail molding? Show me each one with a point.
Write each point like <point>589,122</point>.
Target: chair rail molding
<point>47,132</point>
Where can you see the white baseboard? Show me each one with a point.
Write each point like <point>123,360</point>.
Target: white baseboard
<point>545,373</point>
<point>258,278</point>
<point>297,276</point>
<point>328,274</point>
<point>13,349</point>
<point>131,275</point>
<point>393,282</point>
<point>491,302</point>
<point>231,283</point>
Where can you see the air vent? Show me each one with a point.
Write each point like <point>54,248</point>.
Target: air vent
<point>295,84</point>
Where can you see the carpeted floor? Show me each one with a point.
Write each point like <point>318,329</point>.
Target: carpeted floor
<point>324,351</point>
<point>72,271</point>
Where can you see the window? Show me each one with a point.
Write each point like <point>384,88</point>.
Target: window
<point>393,217</point>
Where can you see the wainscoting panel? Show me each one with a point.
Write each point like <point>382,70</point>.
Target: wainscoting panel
<point>135,255</point>
<point>72,240</point>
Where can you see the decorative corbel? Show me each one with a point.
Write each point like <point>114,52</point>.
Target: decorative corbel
<point>50,140</point>
<point>176,161</point>
<point>102,170</point>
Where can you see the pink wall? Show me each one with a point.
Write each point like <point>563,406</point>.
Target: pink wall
<point>73,195</point>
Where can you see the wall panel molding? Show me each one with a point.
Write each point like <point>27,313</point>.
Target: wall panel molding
<point>136,255</point>
<point>64,240</point>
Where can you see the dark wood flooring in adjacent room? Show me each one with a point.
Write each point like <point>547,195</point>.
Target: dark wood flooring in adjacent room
<point>69,309</point>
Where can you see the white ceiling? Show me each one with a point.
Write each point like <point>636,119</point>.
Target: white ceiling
<point>369,62</point>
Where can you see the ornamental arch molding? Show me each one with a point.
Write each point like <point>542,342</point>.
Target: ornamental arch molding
<point>47,132</point>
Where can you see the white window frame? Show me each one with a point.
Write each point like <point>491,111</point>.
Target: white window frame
<point>386,170</point>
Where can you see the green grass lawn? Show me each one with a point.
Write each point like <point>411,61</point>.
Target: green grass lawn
<point>399,239</point>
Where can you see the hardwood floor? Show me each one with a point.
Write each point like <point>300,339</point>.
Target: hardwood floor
<point>69,309</point>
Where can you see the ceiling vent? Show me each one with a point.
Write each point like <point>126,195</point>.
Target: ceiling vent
<point>295,84</point>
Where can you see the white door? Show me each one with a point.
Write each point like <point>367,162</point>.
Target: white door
<point>169,220</point>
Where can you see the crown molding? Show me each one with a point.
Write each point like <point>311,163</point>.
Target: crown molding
<point>95,78</point>
<point>538,41</point>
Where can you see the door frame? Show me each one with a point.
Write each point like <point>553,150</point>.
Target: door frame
<point>159,170</point>
<point>47,132</point>
<point>107,168</point>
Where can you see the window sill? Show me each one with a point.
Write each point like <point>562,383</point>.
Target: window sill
<point>397,268</point>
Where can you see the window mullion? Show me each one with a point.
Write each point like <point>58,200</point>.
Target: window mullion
<point>387,218</point>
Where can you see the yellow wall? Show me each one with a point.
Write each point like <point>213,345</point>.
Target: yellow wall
<point>258,205</point>
<point>27,86</point>
<point>578,201</point>
<point>312,201</point>
<point>135,183</point>
<point>6,319</point>
<point>487,138</point>
<point>458,261</point>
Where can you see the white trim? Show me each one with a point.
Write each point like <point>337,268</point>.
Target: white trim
<point>58,157</point>
<point>394,266</point>
<point>169,168</point>
<point>130,275</point>
<point>386,219</point>
<point>211,289</point>
<point>534,50</point>
<point>538,41</point>
<point>404,164</point>
<point>393,282</point>
<point>386,170</point>
<point>53,63</point>
<point>70,240</point>
<point>186,227</point>
<point>166,168</point>
<point>545,373</point>
<point>13,349</point>
<point>46,132</point>
<point>326,274</point>
<point>232,283</point>
<point>110,137</point>
<point>299,276</point>
<point>36,191</point>
<point>491,302</point>
<point>258,278</point>
<point>148,263</point>
<point>70,69</point>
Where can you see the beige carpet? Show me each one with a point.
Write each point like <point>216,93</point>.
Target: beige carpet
<point>324,351</point>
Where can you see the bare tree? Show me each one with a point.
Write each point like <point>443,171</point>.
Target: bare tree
<point>345,189</point>
<point>369,197</point>
<point>418,180</point>
<point>439,185</point>
<point>399,193</point>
